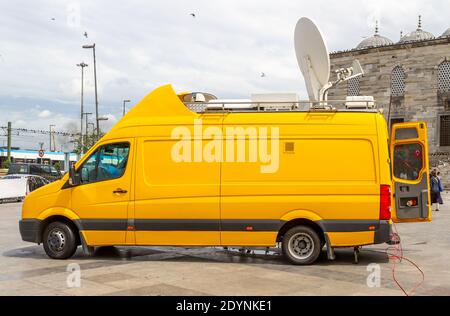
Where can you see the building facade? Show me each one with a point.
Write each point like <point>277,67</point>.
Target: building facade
<point>32,156</point>
<point>409,79</point>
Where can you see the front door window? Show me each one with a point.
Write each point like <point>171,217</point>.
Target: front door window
<point>106,163</point>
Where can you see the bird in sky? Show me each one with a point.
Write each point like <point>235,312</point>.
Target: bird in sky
<point>192,14</point>
<point>263,75</point>
<point>85,34</point>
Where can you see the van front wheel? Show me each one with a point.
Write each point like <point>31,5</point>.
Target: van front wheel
<point>301,245</point>
<point>59,241</point>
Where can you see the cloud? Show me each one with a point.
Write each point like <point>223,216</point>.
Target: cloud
<point>144,44</point>
<point>44,114</point>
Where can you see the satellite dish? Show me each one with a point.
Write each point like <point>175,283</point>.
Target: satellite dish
<point>357,69</point>
<point>312,57</point>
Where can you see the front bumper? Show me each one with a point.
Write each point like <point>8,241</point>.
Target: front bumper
<point>30,230</point>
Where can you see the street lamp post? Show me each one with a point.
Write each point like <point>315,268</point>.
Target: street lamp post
<point>93,128</point>
<point>124,101</point>
<point>86,115</point>
<point>102,118</point>
<point>50,129</point>
<point>95,82</point>
<point>82,65</point>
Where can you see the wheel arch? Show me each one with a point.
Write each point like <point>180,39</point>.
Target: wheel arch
<point>58,215</point>
<point>305,218</point>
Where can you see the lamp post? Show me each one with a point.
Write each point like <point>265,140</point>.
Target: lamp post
<point>50,129</point>
<point>86,115</point>
<point>102,118</point>
<point>124,101</point>
<point>93,128</point>
<point>82,65</point>
<point>95,82</point>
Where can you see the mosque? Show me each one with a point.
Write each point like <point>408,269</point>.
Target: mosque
<point>409,79</point>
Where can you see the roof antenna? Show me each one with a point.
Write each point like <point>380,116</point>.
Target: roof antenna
<point>401,34</point>
<point>376,28</point>
<point>419,26</point>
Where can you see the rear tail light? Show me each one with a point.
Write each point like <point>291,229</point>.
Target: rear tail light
<point>385,202</point>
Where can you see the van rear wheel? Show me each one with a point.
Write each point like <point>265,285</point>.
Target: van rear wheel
<point>301,245</point>
<point>59,241</point>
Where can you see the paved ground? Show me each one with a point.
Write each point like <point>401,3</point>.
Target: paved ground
<point>26,270</point>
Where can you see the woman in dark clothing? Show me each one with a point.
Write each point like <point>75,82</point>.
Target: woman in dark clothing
<point>435,187</point>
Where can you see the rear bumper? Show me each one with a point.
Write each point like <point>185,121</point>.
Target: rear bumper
<point>30,230</point>
<point>347,233</point>
<point>383,232</point>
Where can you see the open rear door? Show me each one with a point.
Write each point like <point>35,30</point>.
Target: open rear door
<point>410,172</point>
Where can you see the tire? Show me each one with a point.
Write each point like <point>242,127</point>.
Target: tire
<point>301,245</point>
<point>60,241</point>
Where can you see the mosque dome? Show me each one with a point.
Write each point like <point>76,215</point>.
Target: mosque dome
<point>417,35</point>
<point>446,33</point>
<point>375,40</point>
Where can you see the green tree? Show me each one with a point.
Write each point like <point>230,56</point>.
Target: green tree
<point>57,166</point>
<point>89,141</point>
<point>6,164</point>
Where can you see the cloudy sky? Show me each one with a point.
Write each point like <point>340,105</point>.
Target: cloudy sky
<point>142,44</point>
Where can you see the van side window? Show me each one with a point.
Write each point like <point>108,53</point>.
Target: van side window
<point>408,161</point>
<point>112,161</point>
<point>106,163</point>
<point>88,169</point>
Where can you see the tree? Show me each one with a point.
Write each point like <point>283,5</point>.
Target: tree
<point>57,166</point>
<point>89,141</point>
<point>6,164</point>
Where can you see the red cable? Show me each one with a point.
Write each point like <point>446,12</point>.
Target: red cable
<point>398,255</point>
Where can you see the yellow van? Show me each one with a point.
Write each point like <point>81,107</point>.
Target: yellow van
<point>168,175</point>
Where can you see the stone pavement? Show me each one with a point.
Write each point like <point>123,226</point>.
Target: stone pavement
<point>26,270</point>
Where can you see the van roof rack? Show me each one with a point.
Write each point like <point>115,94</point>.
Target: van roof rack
<point>349,105</point>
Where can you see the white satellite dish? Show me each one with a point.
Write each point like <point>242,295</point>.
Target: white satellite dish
<point>312,57</point>
<point>314,61</point>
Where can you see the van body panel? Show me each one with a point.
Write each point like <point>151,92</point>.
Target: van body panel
<point>167,188</point>
<point>348,239</point>
<point>177,238</point>
<point>58,211</point>
<point>249,238</point>
<point>307,175</point>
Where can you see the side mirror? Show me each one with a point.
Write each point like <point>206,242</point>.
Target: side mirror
<point>74,177</point>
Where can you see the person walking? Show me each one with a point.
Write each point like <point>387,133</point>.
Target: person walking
<point>436,188</point>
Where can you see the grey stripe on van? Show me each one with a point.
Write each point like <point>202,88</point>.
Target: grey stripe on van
<point>177,224</point>
<point>266,225</point>
<point>181,224</point>
<point>102,224</point>
<point>217,225</point>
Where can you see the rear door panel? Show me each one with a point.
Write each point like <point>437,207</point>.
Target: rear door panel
<point>410,172</point>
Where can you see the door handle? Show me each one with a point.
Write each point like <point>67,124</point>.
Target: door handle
<point>120,191</point>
